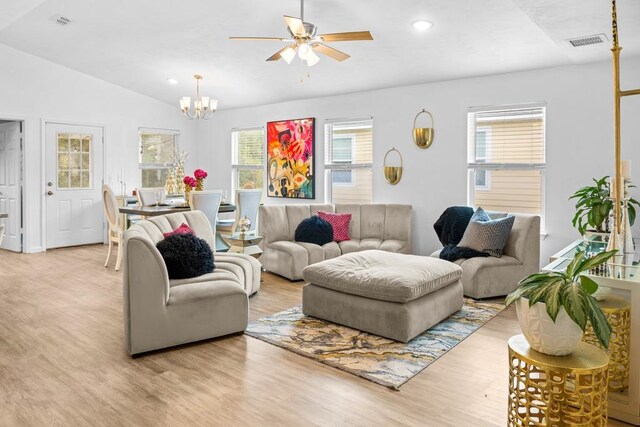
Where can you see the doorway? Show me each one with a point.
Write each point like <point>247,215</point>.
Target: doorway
<point>11,137</point>
<point>73,185</point>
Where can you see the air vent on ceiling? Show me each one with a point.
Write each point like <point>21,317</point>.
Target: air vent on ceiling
<point>60,20</point>
<point>588,40</point>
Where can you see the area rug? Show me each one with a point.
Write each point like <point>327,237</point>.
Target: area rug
<point>381,360</point>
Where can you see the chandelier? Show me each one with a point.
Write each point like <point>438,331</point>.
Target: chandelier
<point>203,107</point>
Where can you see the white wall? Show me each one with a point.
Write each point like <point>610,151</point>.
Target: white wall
<point>579,137</point>
<point>36,91</point>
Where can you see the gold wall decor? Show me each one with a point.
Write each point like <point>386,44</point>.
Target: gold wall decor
<point>423,137</point>
<point>392,174</point>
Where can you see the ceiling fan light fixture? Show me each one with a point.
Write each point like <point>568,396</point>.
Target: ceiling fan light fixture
<point>312,59</point>
<point>421,25</point>
<point>304,50</point>
<point>288,54</point>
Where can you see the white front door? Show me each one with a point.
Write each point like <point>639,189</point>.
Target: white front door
<point>10,188</point>
<point>73,185</point>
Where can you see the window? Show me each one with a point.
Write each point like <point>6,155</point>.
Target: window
<point>247,163</point>
<point>348,157</point>
<point>157,156</point>
<point>506,158</point>
<point>74,161</point>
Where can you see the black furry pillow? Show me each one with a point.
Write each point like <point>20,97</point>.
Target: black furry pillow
<point>314,230</point>
<point>186,255</point>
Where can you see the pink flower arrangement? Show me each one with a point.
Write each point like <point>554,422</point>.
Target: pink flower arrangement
<point>200,174</point>
<point>190,181</point>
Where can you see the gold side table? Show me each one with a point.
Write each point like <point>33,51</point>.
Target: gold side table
<point>618,312</point>
<point>557,391</point>
<point>244,243</point>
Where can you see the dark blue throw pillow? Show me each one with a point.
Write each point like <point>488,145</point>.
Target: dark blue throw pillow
<point>186,255</point>
<point>314,230</point>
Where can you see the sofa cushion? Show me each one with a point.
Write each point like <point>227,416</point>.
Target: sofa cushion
<point>331,250</point>
<point>488,236</point>
<point>315,230</point>
<point>349,246</point>
<point>183,229</point>
<point>393,246</point>
<point>185,256</point>
<point>217,274</point>
<point>315,253</point>
<point>372,219</point>
<point>295,215</point>
<point>383,275</point>
<point>367,244</point>
<point>340,224</point>
<point>354,225</point>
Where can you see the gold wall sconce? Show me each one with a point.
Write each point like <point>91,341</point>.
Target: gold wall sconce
<point>423,137</point>
<point>392,174</point>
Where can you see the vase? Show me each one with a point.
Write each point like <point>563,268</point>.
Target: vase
<point>557,338</point>
<point>187,193</point>
<point>180,187</point>
<point>199,184</point>
<point>170,185</point>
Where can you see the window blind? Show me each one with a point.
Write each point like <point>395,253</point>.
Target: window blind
<point>247,163</point>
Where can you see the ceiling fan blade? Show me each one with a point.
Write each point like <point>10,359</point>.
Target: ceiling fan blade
<point>295,25</point>
<point>345,37</point>
<point>259,38</point>
<point>276,56</point>
<point>330,52</point>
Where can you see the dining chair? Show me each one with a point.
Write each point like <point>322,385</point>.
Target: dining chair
<point>247,204</point>
<point>147,196</point>
<point>114,235</point>
<point>207,201</point>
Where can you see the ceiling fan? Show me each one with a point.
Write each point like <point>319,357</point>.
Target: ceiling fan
<point>305,42</point>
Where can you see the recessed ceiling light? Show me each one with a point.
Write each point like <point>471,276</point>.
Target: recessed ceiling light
<point>421,25</point>
<point>172,81</point>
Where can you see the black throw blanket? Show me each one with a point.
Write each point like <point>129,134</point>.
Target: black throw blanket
<point>450,228</point>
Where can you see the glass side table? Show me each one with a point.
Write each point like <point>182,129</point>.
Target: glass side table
<point>244,243</point>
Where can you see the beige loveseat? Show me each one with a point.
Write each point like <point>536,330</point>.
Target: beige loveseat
<point>491,276</point>
<point>373,226</point>
<point>159,312</point>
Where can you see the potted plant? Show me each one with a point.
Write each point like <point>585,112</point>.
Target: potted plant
<point>594,205</point>
<point>554,307</point>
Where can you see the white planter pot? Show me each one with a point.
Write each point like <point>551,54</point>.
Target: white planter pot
<point>557,338</point>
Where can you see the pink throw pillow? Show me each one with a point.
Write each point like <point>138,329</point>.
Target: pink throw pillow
<point>183,229</point>
<point>340,224</point>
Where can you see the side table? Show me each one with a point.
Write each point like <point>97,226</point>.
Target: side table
<point>618,312</point>
<point>244,243</point>
<point>557,390</point>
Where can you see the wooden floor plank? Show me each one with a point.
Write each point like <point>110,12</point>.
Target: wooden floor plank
<point>62,362</point>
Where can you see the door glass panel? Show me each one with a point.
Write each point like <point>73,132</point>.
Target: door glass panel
<point>74,161</point>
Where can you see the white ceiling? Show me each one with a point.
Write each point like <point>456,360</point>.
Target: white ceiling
<point>139,44</point>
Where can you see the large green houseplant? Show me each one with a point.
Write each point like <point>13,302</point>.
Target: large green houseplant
<point>569,291</point>
<point>594,205</point>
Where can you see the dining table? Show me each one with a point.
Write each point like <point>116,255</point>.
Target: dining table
<point>166,209</point>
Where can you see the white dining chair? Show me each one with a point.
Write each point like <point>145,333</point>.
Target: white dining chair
<point>147,196</point>
<point>207,201</point>
<point>114,235</point>
<point>247,204</point>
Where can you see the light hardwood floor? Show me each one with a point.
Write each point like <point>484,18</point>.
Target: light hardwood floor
<point>62,362</point>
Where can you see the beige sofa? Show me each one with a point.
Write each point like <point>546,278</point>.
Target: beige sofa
<point>491,276</point>
<point>373,226</point>
<point>159,312</point>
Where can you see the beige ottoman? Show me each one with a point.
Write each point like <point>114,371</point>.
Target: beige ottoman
<point>388,294</point>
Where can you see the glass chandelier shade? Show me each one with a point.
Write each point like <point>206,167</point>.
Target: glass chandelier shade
<point>203,106</point>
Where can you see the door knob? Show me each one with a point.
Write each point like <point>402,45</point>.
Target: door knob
<point>49,184</point>
<point>50,193</point>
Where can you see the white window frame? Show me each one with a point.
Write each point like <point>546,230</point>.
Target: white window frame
<point>156,165</point>
<point>235,167</point>
<point>488,166</point>
<point>349,183</point>
<point>328,168</point>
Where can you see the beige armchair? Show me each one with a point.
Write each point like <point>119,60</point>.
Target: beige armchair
<point>491,276</point>
<point>159,312</point>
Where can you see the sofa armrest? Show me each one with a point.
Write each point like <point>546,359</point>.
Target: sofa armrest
<point>145,274</point>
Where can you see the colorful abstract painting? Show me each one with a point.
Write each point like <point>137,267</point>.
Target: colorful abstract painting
<point>290,156</point>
